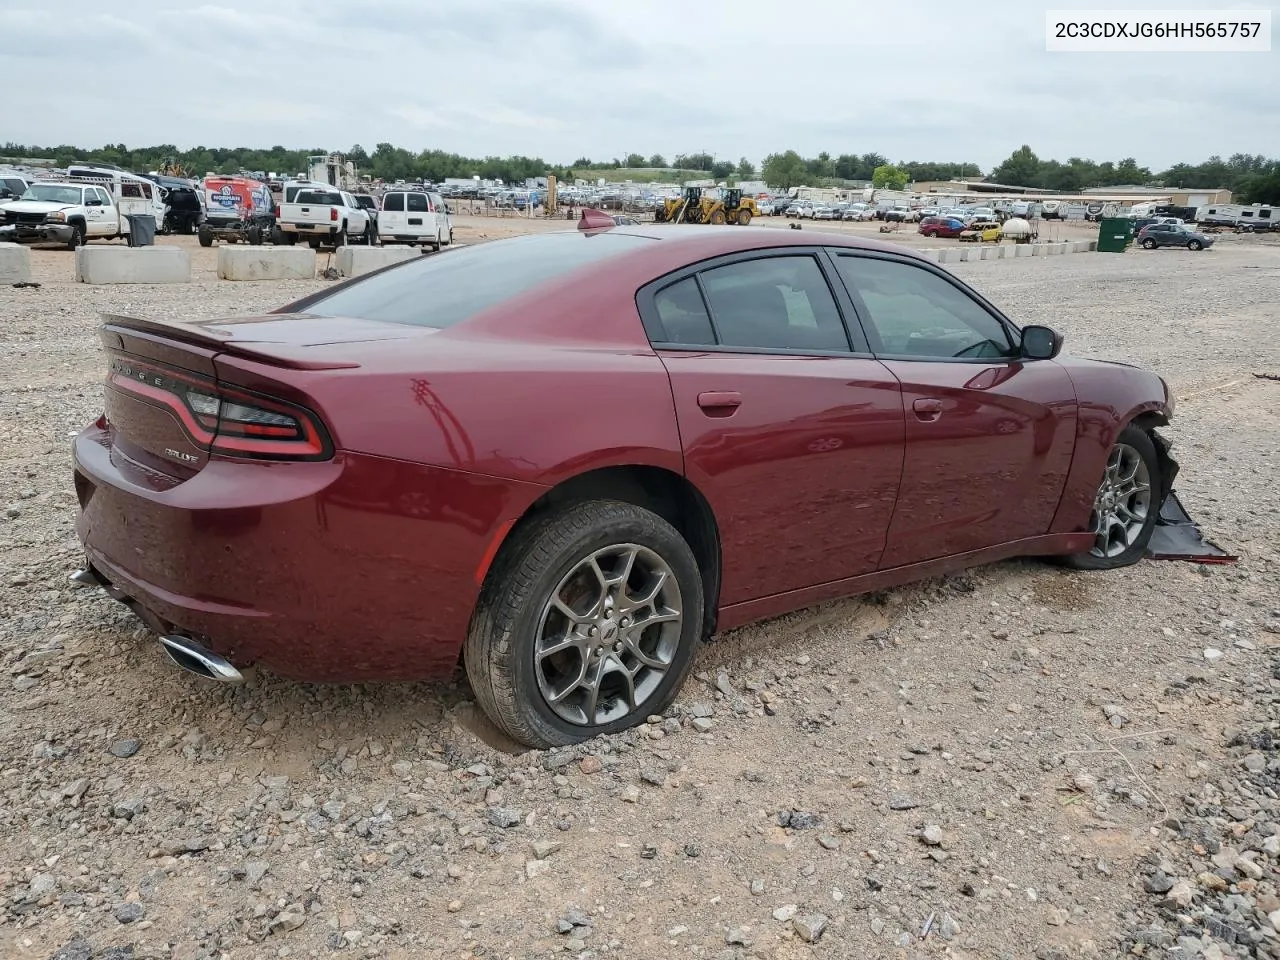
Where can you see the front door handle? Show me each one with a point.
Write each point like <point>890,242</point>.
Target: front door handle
<point>720,403</point>
<point>927,409</point>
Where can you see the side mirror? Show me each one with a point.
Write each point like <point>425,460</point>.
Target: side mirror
<point>1040,343</point>
<point>93,203</point>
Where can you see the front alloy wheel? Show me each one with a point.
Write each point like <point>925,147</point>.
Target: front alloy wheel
<point>1126,504</point>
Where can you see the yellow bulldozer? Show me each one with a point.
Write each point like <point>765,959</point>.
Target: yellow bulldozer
<point>698,207</point>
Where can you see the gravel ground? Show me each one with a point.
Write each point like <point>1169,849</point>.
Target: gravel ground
<point>1018,761</point>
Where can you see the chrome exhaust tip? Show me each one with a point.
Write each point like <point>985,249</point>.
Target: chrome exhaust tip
<point>86,578</point>
<point>194,658</point>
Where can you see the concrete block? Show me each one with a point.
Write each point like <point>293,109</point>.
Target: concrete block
<point>96,264</point>
<point>951,255</point>
<point>266,263</point>
<point>1037,249</point>
<point>353,261</point>
<point>1023,250</point>
<point>15,264</point>
<point>930,253</point>
<point>1092,245</point>
<point>1004,251</point>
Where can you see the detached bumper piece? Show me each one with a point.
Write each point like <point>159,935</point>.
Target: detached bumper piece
<point>185,652</point>
<point>1177,537</point>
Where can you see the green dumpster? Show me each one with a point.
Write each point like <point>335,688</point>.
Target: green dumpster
<point>1114,234</point>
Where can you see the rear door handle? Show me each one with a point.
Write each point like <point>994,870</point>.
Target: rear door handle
<point>720,403</point>
<point>927,409</point>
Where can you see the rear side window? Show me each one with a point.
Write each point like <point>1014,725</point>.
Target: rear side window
<point>393,201</point>
<point>683,314</point>
<point>443,290</point>
<point>418,203</point>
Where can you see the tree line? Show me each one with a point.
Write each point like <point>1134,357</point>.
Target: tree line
<point>1253,178</point>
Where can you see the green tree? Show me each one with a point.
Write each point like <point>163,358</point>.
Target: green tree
<point>1262,187</point>
<point>1022,169</point>
<point>694,161</point>
<point>720,169</point>
<point>784,170</point>
<point>746,169</point>
<point>634,160</point>
<point>888,177</point>
<point>658,161</point>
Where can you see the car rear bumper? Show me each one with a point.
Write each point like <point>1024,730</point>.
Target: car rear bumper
<point>357,568</point>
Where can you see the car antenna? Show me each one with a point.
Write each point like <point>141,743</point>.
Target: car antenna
<point>593,219</point>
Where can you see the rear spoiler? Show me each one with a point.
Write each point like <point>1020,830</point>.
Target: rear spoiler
<point>184,344</point>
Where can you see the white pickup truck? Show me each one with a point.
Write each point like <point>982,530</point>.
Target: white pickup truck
<point>70,213</point>
<point>325,215</point>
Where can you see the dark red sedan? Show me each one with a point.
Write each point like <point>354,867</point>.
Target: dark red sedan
<point>941,227</point>
<point>565,459</point>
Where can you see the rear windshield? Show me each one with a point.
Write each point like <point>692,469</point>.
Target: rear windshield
<point>443,290</point>
<point>318,197</point>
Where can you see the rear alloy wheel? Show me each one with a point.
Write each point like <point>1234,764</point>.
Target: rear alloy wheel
<point>1148,244</point>
<point>1126,505</point>
<point>587,624</point>
<point>1196,245</point>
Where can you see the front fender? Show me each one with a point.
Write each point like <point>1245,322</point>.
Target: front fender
<point>1110,396</point>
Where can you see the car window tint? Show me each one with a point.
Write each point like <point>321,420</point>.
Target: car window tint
<point>683,314</point>
<point>393,201</point>
<point>417,202</point>
<point>781,303</point>
<point>443,290</point>
<point>916,313</point>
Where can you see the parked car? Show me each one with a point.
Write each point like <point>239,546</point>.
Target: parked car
<point>859,211</point>
<point>520,455</point>
<point>12,187</point>
<point>326,216</point>
<point>1172,235</point>
<point>238,208</point>
<point>800,209</point>
<point>821,211</point>
<point>62,212</point>
<point>184,203</point>
<point>901,215</point>
<point>941,227</point>
<point>416,217</point>
<point>981,231</point>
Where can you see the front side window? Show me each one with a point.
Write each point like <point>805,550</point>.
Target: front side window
<point>917,314</point>
<point>778,303</point>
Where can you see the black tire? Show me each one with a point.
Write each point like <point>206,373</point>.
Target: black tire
<point>370,235</point>
<point>1148,244</point>
<point>205,236</point>
<point>277,237</point>
<point>1140,441</point>
<point>1195,245</point>
<point>79,235</point>
<point>255,236</point>
<point>540,554</point>
<point>315,243</point>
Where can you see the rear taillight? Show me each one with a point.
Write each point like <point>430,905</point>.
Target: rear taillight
<point>227,420</point>
<point>277,211</point>
<point>333,213</point>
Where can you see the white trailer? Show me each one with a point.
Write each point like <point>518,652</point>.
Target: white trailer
<point>1259,216</point>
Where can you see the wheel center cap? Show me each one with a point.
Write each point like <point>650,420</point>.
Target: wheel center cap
<point>608,630</point>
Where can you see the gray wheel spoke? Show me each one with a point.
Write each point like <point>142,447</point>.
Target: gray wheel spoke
<point>604,665</point>
<point>1122,503</point>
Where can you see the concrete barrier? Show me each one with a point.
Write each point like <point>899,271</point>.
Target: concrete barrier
<point>96,264</point>
<point>353,261</point>
<point>1024,250</point>
<point>930,253</point>
<point>266,263</point>
<point>15,264</point>
<point>1004,251</point>
<point>951,255</point>
<point>1037,249</point>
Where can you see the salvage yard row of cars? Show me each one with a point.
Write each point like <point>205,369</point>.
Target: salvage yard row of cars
<point>97,202</point>
<point>565,459</point>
